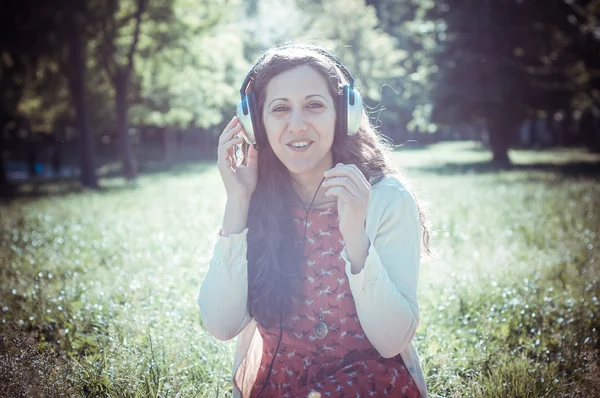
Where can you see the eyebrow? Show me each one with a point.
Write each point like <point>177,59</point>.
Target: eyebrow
<point>307,97</point>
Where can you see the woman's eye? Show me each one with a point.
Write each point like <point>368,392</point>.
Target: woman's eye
<point>315,105</point>
<point>279,109</point>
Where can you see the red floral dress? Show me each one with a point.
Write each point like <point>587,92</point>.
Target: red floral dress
<point>344,363</point>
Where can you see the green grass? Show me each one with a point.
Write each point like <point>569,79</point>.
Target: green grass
<point>98,289</point>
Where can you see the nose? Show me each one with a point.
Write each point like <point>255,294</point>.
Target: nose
<point>297,123</point>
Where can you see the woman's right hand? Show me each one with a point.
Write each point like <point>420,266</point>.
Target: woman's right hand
<point>240,181</point>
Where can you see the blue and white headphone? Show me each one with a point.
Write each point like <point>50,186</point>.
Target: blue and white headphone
<point>350,102</point>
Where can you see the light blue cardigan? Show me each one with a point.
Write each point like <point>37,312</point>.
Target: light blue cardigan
<point>385,290</point>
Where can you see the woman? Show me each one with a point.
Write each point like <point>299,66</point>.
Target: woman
<point>316,265</point>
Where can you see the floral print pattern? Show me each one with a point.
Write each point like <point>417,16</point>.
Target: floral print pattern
<point>344,363</point>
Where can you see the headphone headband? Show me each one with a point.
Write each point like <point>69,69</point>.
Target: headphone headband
<point>345,71</point>
<point>350,107</point>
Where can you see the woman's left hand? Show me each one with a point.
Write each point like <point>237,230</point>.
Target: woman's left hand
<point>353,191</point>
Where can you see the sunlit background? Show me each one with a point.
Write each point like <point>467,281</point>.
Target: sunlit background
<point>110,112</point>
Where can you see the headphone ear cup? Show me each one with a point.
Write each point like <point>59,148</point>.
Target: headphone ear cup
<point>254,114</point>
<point>342,119</point>
<point>244,115</point>
<point>354,107</point>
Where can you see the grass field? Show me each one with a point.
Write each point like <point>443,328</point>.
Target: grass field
<point>98,289</point>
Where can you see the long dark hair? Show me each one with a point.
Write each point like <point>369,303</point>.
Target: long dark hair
<point>274,249</point>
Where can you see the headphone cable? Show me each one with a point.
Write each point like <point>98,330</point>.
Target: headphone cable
<point>281,311</point>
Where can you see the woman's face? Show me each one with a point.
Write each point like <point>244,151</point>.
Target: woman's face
<point>299,117</point>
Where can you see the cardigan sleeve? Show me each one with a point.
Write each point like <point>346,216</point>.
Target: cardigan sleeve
<point>223,293</point>
<point>385,290</point>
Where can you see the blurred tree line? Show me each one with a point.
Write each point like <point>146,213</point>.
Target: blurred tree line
<point>507,72</point>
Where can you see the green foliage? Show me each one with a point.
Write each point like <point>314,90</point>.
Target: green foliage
<point>350,29</point>
<point>447,62</point>
<point>370,54</point>
<point>41,109</point>
<point>184,82</point>
<point>192,84</point>
<point>571,37</point>
<point>267,23</point>
<point>478,62</point>
<point>31,63</point>
<point>99,288</point>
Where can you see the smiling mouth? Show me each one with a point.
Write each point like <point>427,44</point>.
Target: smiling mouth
<point>300,144</point>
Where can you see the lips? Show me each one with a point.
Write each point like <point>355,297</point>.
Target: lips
<point>300,140</point>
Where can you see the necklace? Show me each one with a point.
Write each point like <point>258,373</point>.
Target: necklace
<point>320,328</point>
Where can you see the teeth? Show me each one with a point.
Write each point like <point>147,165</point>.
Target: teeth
<point>300,144</point>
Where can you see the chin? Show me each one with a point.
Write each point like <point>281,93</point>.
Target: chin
<point>307,164</point>
<point>301,168</point>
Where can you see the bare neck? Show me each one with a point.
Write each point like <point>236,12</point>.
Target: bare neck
<point>308,185</point>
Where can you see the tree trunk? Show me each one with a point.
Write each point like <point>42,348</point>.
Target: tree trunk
<point>562,128</point>
<point>31,157</point>
<point>6,188</point>
<point>595,134</point>
<point>77,87</point>
<point>56,160</point>
<point>499,140</point>
<point>122,108</point>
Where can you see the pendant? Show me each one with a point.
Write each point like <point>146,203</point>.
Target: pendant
<point>321,330</point>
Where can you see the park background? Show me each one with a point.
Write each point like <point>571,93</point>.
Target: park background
<point>110,112</point>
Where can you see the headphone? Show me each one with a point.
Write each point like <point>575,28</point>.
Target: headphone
<point>349,110</point>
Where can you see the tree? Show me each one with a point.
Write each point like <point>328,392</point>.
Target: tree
<point>494,63</point>
<point>38,40</point>
<point>191,85</point>
<point>12,73</point>
<point>489,67</point>
<point>21,51</point>
<point>139,41</point>
<point>75,19</point>
<point>121,27</point>
<point>571,30</point>
<point>350,30</point>
<point>401,20</point>
<point>480,78</point>
<point>188,83</point>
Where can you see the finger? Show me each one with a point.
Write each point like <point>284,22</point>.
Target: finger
<point>252,157</point>
<point>342,181</point>
<point>226,151</point>
<point>228,146</point>
<point>232,122</point>
<point>344,171</point>
<point>339,169</point>
<point>341,193</point>
<point>360,177</point>
<point>230,125</point>
<point>229,133</point>
<point>350,171</point>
